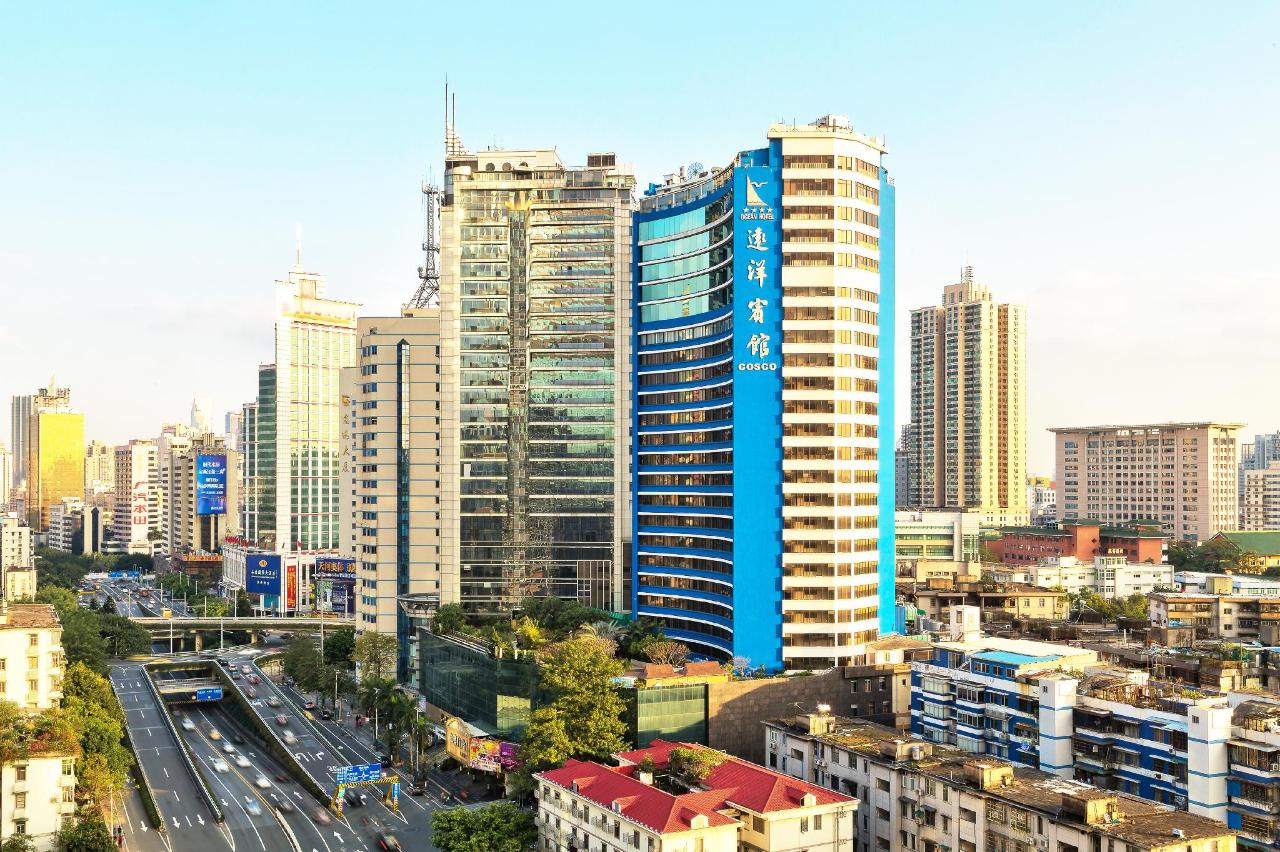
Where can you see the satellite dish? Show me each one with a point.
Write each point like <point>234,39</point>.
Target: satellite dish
<point>696,168</point>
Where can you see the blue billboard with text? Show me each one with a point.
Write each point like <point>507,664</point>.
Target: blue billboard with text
<point>335,584</point>
<point>211,484</point>
<point>262,574</point>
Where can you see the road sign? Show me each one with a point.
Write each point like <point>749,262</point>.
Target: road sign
<point>395,790</point>
<point>359,772</point>
<point>211,694</point>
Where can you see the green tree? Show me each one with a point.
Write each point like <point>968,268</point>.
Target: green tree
<point>81,639</point>
<point>579,674</point>
<point>546,742</point>
<point>89,834</point>
<point>1134,606</point>
<point>1183,556</point>
<point>375,654</point>
<point>1218,555</point>
<point>83,683</point>
<point>450,618</point>
<point>123,636</point>
<point>639,635</point>
<point>500,827</point>
<point>694,764</point>
<point>63,599</point>
<point>302,662</point>
<point>18,843</point>
<point>339,645</point>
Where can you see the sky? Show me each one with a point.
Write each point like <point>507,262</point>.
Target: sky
<point>1113,166</point>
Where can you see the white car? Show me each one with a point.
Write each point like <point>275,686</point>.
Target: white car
<point>290,738</point>
<point>187,724</point>
<point>241,760</point>
<point>228,748</point>
<point>220,765</point>
<point>262,780</point>
<point>252,806</point>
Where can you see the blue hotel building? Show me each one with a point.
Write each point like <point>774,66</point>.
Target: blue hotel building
<point>763,401</point>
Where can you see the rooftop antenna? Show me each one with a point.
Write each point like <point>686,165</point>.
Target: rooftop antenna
<point>297,245</point>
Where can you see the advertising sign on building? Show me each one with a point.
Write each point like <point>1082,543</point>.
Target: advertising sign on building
<point>262,573</point>
<point>291,586</point>
<point>211,484</point>
<point>335,582</point>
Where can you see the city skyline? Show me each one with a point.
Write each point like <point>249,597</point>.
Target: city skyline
<point>1046,220</point>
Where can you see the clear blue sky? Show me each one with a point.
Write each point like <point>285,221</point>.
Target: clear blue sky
<point>1114,166</point>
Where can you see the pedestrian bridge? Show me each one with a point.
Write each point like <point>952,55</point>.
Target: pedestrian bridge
<point>179,622</point>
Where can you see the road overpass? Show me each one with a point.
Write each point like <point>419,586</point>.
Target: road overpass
<point>187,622</point>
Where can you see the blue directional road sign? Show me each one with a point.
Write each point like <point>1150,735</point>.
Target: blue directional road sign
<point>359,772</point>
<point>212,694</point>
<point>395,790</point>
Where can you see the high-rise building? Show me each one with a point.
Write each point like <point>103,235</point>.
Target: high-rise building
<point>6,476</point>
<point>315,339</point>
<point>200,478</point>
<point>257,442</point>
<point>232,428</point>
<point>54,440</point>
<point>99,470</point>
<point>534,319</point>
<point>19,438</point>
<point>1257,454</point>
<point>174,440</point>
<point>135,524</point>
<point>15,543</point>
<point>391,474</point>
<point>1260,502</point>
<point>764,458</point>
<point>902,467</point>
<point>969,404</point>
<point>1183,475</point>
<point>199,422</point>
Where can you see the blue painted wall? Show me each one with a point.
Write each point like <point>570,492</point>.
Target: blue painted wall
<point>887,429</point>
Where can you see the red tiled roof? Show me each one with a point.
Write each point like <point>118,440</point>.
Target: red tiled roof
<point>636,800</point>
<point>707,667</point>
<point>742,783</point>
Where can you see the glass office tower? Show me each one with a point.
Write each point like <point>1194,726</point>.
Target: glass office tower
<point>761,291</point>
<point>534,312</point>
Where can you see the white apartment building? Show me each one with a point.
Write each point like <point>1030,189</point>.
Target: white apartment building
<point>37,797</point>
<point>66,518</point>
<point>917,795</point>
<point>969,404</point>
<point>391,473</point>
<point>137,497</point>
<point>1182,474</point>
<point>172,443</point>
<point>737,806</point>
<point>99,470</point>
<point>31,659</point>
<point>15,542</point>
<point>1109,576</point>
<point>1260,498</point>
<point>19,584</point>
<point>186,529</point>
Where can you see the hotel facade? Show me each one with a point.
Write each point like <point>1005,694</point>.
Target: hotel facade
<point>762,387</point>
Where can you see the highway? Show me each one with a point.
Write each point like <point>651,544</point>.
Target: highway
<point>188,821</point>
<point>321,750</point>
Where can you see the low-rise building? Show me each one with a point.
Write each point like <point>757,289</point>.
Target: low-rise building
<point>1136,542</point>
<point>996,601</point>
<point>917,795</point>
<point>37,796</point>
<point>948,536</point>
<point>650,802</point>
<point>19,584</point>
<point>1108,576</point>
<point>1179,616</point>
<point>15,542</point>
<point>982,694</point>
<point>1226,584</point>
<point>66,519</point>
<point>1259,548</point>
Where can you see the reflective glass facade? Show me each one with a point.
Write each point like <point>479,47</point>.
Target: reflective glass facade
<point>534,283</point>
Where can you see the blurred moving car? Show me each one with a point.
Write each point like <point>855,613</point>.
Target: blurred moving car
<point>388,841</point>
<point>252,807</point>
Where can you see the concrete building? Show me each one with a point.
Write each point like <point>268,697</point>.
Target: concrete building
<point>998,602</point>
<point>15,542</point>
<point>37,788</point>
<point>982,695</point>
<point>391,474</point>
<point>1109,576</point>
<point>66,518</point>
<point>1082,540</point>
<point>1183,475</point>
<point>136,520</point>
<point>969,404</point>
<point>1260,498</point>
<point>737,805</point>
<point>1215,612</point>
<point>6,476</point>
<point>20,438</point>
<point>918,795</point>
<point>1042,505</point>
<point>257,448</point>
<point>940,536</point>
<point>99,470</point>
<point>19,584</point>
<point>201,484</point>
<point>535,345</point>
<point>902,467</point>
<point>764,304</point>
<point>172,443</point>
<point>1258,454</point>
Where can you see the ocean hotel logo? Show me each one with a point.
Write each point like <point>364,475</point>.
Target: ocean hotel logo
<point>755,209</point>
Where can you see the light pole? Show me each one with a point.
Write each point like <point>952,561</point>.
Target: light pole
<point>337,715</point>
<point>171,628</point>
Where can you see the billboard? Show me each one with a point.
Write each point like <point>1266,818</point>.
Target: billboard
<point>291,586</point>
<point>211,484</point>
<point>335,583</point>
<point>262,573</point>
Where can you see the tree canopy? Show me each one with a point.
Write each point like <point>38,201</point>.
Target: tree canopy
<point>375,654</point>
<point>339,645</point>
<point>88,834</point>
<point>500,827</point>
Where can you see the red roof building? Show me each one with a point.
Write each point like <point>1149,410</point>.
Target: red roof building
<point>737,801</point>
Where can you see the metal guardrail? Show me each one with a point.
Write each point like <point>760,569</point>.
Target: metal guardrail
<point>201,783</point>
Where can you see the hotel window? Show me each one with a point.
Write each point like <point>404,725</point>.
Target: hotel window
<point>866,193</point>
<point>868,169</point>
<point>844,188</point>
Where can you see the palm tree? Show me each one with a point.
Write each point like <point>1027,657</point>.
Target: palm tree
<point>602,630</point>
<point>399,720</point>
